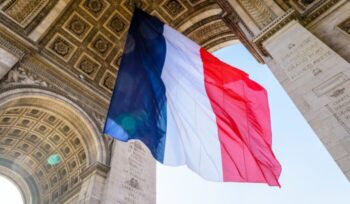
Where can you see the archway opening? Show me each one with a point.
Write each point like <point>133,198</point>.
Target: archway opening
<point>10,192</point>
<point>47,141</point>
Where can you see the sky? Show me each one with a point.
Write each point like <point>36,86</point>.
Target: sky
<point>9,193</point>
<point>309,174</point>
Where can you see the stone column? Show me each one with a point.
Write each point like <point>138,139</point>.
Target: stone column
<point>317,79</point>
<point>132,177</point>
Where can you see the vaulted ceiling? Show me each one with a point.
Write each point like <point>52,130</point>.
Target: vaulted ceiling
<point>32,136</point>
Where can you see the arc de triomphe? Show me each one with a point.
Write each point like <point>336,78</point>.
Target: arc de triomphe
<point>58,64</point>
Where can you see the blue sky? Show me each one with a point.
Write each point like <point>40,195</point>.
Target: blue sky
<point>309,174</point>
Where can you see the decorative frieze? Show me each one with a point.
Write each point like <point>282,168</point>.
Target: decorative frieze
<point>258,11</point>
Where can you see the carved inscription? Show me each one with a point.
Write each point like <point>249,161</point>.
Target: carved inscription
<point>331,84</point>
<point>340,105</point>
<point>337,91</point>
<point>304,59</point>
<point>135,184</point>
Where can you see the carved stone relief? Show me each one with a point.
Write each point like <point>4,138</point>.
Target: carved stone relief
<point>101,45</point>
<point>258,11</point>
<point>62,47</point>
<point>21,76</point>
<point>77,26</point>
<point>88,66</point>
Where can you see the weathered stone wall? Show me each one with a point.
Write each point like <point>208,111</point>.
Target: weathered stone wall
<point>132,178</point>
<point>334,29</point>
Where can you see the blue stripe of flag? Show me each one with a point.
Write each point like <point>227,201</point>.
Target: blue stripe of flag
<point>138,105</point>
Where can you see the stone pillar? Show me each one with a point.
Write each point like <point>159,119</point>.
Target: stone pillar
<point>317,79</point>
<point>7,61</point>
<point>132,177</point>
<point>94,179</point>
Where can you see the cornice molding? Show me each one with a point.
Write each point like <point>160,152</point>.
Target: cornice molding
<point>11,46</point>
<point>275,26</point>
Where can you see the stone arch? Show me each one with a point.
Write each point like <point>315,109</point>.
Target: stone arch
<point>21,179</point>
<point>35,124</point>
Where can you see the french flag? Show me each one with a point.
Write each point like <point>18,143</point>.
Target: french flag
<point>189,108</point>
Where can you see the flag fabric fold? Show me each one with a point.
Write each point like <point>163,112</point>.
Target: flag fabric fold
<point>189,108</point>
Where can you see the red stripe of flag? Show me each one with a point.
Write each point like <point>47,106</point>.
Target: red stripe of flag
<point>243,120</point>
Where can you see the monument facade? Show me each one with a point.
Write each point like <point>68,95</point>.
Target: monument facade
<point>59,60</point>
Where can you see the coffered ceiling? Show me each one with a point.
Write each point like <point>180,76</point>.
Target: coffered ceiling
<point>30,135</point>
<point>86,40</point>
